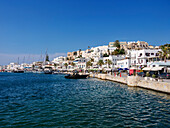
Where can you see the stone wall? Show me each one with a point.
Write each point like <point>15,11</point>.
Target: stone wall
<point>134,81</point>
<point>155,85</point>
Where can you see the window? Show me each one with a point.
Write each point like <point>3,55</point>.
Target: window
<point>147,54</point>
<point>140,54</point>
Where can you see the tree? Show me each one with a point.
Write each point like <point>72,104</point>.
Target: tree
<point>73,64</point>
<point>66,65</point>
<point>88,64</point>
<point>165,51</point>
<point>115,52</point>
<point>105,55</point>
<point>160,55</point>
<point>91,59</point>
<point>117,44</point>
<point>75,53</point>
<point>33,66</point>
<point>109,62</point>
<point>55,65</point>
<point>121,51</point>
<point>100,62</point>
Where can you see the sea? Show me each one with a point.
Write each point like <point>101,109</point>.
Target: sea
<point>29,100</point>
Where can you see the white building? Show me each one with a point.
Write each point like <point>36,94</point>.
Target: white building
<point>125,63</point>
<point>80,63</point>
<point>59,59</point>
<point>141,57</point>
<point>13,66</point>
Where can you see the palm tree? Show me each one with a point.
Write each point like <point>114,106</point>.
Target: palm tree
<point>160,55</point>
<point>55,65</point>
<point>66,65</point>
<point>73,64</point>
<point>100,63</point>
<point>165,52</point>
<point>91,59</point>
<point>88,64</point>
<point>108,62</point>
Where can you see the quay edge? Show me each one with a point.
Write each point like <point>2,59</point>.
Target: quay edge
<point>135,81</point>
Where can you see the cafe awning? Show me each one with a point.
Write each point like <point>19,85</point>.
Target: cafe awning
<point>146,69</point>
<point>156,68</point>
<point>152,68</point>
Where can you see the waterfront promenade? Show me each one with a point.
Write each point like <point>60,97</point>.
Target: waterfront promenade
<point>136,81</point>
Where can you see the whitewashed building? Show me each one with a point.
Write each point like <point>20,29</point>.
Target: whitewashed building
<point>141,57</point>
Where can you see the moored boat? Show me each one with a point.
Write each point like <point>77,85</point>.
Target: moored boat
<point>76,76</point>
<point>48,70</point>
<point>18,71</point>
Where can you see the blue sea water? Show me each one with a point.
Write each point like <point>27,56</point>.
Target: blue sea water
<point>39,100</point>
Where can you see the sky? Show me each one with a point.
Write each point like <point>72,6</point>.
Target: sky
<point>30,27</point>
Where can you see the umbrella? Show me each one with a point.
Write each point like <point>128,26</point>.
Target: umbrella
<point>126,69</point>
<point>120,69</point>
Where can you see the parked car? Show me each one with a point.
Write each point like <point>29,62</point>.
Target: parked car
<point>164,76</point>
<point>142,74</point>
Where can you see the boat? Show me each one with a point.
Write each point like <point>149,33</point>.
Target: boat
<point>48,70</point>
<point>18,71</point>
<point>76,76</point>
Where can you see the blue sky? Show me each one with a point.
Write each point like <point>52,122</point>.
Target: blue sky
<point>32,26</point>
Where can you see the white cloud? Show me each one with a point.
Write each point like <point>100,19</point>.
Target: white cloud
<point>28,58</point>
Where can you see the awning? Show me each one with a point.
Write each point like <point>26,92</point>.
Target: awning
<point>152,68</point>
<point>156,68</point>
<point>133,68</point>
<point>107,69</point>
<point>94,69</point>
<point>120,69</point>
<point>125,69</point>
<point>147,69</point>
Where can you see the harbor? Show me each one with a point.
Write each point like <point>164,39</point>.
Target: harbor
<point>85,64</point>
<point>28,99</point>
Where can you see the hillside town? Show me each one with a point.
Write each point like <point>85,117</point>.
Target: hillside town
<point>129,57</point>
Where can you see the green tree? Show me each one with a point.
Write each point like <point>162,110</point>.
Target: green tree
<point>115,52</point>
<point>55,65</point>
<point>117,44</point>
<point>91,59</point>
<point>100,63</point>
<point>121,51</point>
<point>73,64</point>
<point>105,55</point>
<point>33,66</point>
<point>165,51</point>
<point>88,64</point>
<point>66,65</point>
<point>108,62</point>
